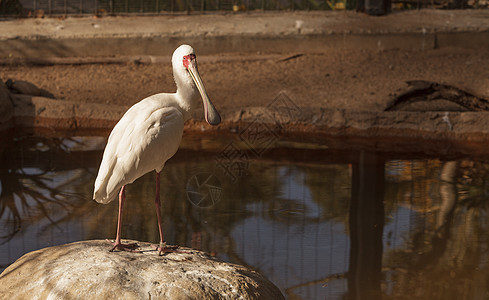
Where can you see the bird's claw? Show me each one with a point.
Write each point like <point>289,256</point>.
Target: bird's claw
<point>162,248</point>
<point>131,247</point>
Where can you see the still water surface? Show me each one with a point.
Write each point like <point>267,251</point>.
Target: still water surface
<point>356,226</point>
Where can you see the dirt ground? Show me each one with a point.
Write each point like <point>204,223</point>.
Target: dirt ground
<point>348,79</point>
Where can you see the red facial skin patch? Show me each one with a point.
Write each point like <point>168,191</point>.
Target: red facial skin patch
<point>187,59</point>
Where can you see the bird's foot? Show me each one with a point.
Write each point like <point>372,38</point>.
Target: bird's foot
<point>131,247</point>
<point>162,248</point>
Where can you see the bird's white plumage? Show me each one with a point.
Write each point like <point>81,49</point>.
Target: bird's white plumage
<point>150,132</point>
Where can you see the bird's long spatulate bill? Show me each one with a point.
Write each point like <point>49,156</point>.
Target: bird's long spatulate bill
<point>211,115</point>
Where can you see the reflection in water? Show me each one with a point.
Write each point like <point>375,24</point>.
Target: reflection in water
<point>31,190</point>
<point>317,230</point>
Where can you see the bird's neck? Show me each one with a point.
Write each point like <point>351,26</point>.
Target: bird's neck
<point>187,94</point>
<point>188,100</point>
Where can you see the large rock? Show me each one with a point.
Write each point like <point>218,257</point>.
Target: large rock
<point>87,270</point>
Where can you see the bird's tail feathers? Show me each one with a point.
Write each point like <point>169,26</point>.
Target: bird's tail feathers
<point>101,193</point>
<point>102,199</point>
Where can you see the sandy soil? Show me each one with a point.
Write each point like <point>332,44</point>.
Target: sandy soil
<point>351,79</point>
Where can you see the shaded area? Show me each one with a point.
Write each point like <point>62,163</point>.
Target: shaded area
<point>366,227</point>
<point>27,190</point>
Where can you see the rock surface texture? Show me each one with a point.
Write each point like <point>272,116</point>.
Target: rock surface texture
<point>87,270</point>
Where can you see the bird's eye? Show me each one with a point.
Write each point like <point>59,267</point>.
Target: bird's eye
<point>185,61</point>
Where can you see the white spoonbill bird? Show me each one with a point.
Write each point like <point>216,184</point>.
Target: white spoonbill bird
<point>149,134</point>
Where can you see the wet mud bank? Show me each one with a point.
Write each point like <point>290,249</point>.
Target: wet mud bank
<point>456,133</point>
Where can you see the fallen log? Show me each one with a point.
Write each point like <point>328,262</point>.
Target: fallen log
<point>421,90</point>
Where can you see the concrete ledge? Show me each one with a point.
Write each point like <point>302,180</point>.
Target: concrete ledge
<point>249,32</point>
<point>74,47</point>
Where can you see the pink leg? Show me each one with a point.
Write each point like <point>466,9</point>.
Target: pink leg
<point>117,244</point>
<point>162,248</point>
